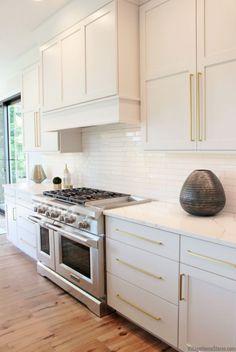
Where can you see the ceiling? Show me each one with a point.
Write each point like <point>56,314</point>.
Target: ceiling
<point>19,19</point>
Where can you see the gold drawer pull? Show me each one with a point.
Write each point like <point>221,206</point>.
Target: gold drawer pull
<point>210,259</point>
<point>139,237</point>
<point>138,308</point>
<point>138,269</point>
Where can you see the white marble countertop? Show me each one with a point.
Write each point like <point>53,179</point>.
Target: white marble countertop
<point>29,187</point>
<point>171,217</point>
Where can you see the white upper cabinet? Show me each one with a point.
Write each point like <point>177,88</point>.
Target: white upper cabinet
<point>51,76</point>
<point>30,89</point>
<point>168,32</point>
<point>101,43</point>
<point>90,73</point>
<point>36,138</point>
<point>216,57</point>
<point>188,68</point>
<point>73,66</point>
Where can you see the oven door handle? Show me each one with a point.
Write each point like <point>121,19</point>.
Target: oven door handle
<point>34,219</point>
<point>83,240</point>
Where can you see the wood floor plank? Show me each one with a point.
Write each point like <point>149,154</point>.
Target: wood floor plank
<point>37,316</point>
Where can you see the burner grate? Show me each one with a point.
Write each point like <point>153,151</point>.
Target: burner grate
<point>82,195</point>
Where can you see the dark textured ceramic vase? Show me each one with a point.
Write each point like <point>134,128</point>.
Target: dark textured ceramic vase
<point>202,194</point>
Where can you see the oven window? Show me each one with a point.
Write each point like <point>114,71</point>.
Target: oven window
<point>76,256</point>
<point>44,240</point>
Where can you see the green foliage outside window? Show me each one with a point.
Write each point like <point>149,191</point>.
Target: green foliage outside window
<point>17,155</point>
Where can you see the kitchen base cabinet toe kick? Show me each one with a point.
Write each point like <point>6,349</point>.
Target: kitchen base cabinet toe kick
<point>186,300</point>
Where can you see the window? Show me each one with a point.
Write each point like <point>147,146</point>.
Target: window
<point>12,156</point>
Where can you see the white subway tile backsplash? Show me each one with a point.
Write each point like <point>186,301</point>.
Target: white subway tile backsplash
<point>113,159</point>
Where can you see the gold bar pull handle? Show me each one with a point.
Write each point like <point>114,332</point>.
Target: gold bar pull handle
<point>181,289</point>
<point>14,214</point>
<point>137,307</point>
<point>199,124</point>
<point>35,131</point>
<point>139,269</point>
<point>130,234</point>
<point>211,259</point>
<point>38,129</point>
<point>191,75</point>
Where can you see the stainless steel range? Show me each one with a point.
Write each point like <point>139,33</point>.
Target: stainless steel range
<point>70,240</point>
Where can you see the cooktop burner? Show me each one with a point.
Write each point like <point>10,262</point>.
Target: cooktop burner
<point>82,195</point>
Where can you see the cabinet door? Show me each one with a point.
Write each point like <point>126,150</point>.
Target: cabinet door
<point>217,74</point>
<point>168,61</point>
<point>35,139</point>
<point>73,66</point>
<point>207,316</point>
<point>11,222</point>
<point>51,76</point>
<point>101,53</point>
<point>29,131</point>
<point>30,88</point>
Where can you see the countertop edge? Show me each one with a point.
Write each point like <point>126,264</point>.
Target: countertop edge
<point>175,231</point>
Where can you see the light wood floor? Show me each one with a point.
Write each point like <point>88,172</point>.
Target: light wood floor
<point>37,316</point>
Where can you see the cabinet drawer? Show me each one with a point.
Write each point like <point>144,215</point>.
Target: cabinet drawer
<point>155,274</point>
<point>148,311</point>
<point>9,192</point>
<point>153,240</point>
<point>23,221</point>
<point>208,256</point>
<point>27,242</point>
<point>24,199</point>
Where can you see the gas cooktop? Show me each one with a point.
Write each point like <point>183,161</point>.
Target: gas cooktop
<point>82,195</point>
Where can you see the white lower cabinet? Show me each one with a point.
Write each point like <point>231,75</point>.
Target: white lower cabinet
<point>185,297</point>
<point>207,315</point>
<point>20,230</point>
<point>143,276</point>
<point>26,231</point>
<point>147,310</point>
<point>10,208</point>
<point>155,274</point>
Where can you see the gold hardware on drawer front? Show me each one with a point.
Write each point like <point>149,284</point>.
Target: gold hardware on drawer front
<point>138,269</point>
<point>139,237</point>
<point>137,307</point>
<point>211,259</point>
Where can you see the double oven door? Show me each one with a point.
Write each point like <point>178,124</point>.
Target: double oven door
<point>45,246</point>
<point>73,254</point>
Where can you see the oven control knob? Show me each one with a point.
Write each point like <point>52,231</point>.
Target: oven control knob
<point>84,225</point>
<point>70,219</point>
<point>54,214</point>
<point>61,218</point>
<point>41,210</point>
<point>47,213</point>
<point>35,209</point>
